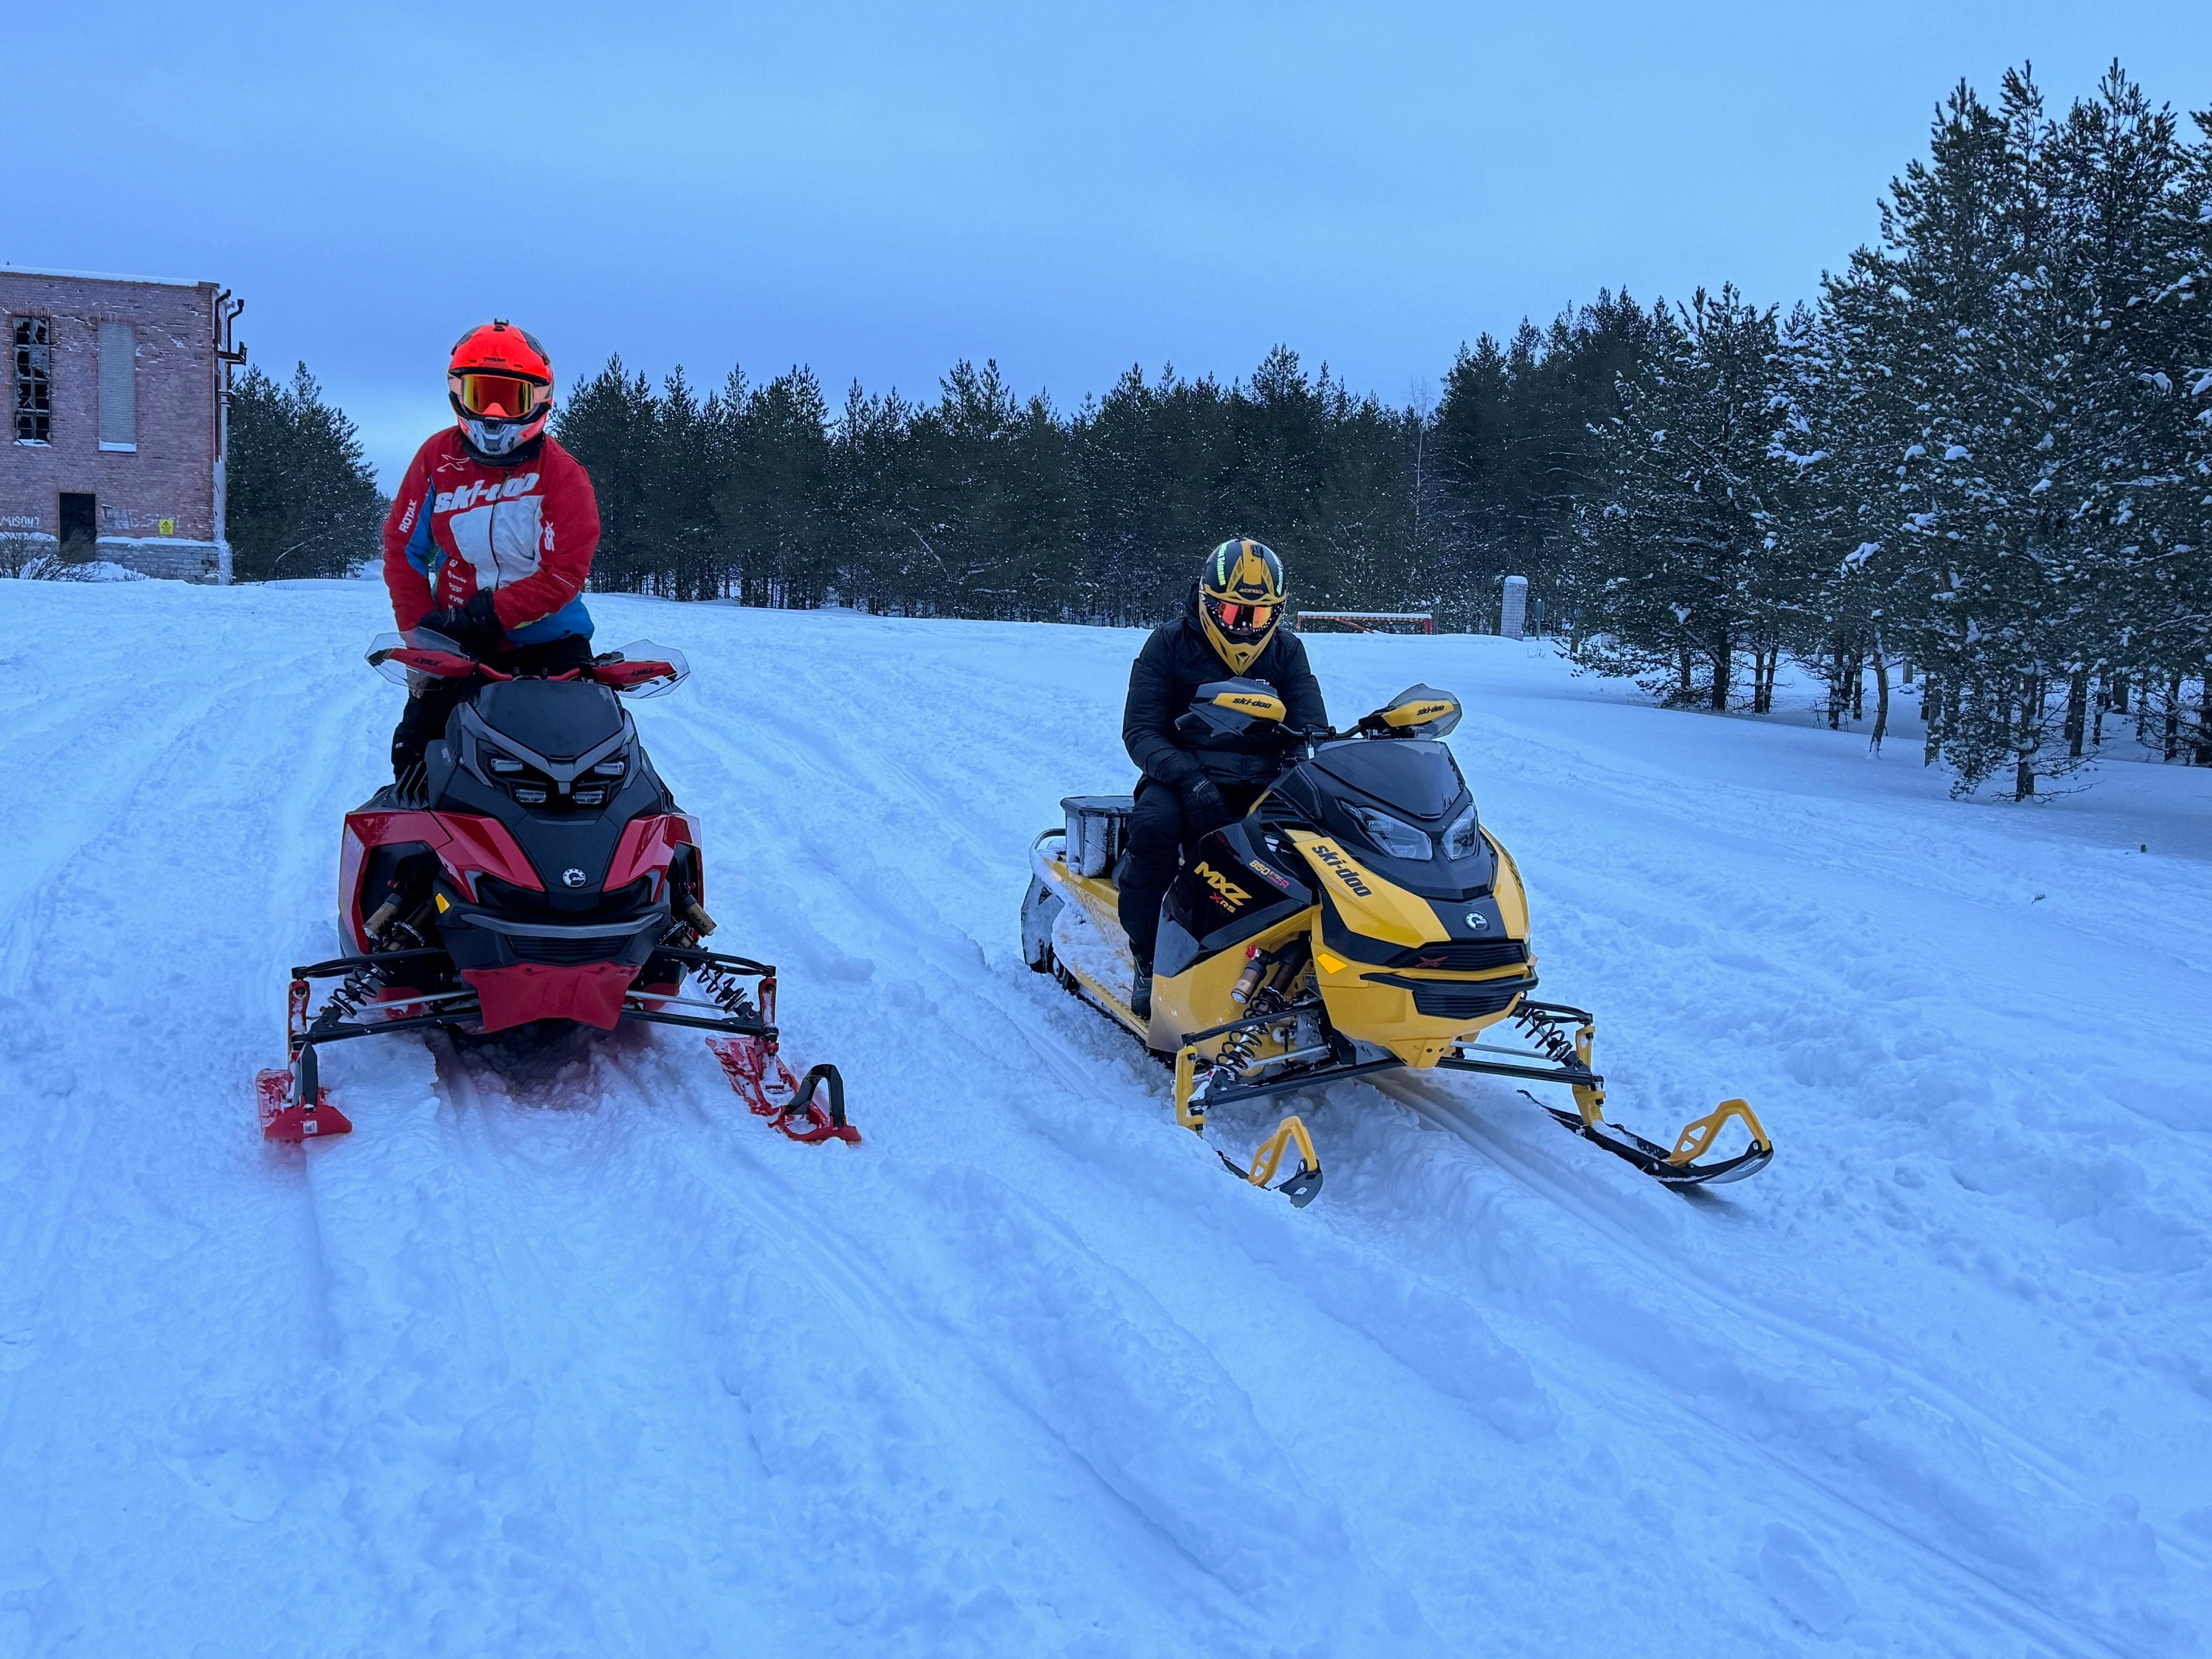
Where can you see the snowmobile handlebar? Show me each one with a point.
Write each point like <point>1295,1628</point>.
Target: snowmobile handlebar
<point>641,669</point>
<point>1419,711</point>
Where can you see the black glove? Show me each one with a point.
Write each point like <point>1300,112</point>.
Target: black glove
<point>1203,809</point>
<point>474,627</point>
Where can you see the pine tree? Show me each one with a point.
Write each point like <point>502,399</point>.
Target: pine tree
<point>301,498</point>
<point>608,424</point>
<point>1514,447</point>
<point>689,558</point>
<point>775,493</point>
<point>1665,558</point>
<point>2166,306</point>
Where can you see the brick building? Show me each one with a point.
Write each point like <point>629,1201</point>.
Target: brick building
<point>116,400</point>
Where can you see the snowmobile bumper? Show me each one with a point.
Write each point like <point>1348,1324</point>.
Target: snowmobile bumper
<point>588,992</point>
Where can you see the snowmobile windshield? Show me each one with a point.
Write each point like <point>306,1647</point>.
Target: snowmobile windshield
<point>559,720</point>
<point>1410,775</point>
<point>641,669</point>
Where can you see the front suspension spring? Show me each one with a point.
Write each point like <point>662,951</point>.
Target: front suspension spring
<point>724,988</point>
<point>1545,1032</point>
<point>1237,1051</point>
<point>357,987</point>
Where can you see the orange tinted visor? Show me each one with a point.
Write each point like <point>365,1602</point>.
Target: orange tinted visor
<point>1242,617</point>
<point>499,397</point>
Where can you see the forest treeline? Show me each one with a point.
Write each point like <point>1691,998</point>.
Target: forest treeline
<point>981,503</point>
<point>1979,460</point>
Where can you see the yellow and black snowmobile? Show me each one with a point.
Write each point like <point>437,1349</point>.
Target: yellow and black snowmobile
<point>1359,919</point>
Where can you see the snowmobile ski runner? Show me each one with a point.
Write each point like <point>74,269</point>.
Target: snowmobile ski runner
<point>1360,919</point>
<point>536,870</point>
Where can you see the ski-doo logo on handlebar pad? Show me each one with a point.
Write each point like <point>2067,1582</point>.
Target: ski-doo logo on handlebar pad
<point>1227,890</point>
<point>1342,868</point>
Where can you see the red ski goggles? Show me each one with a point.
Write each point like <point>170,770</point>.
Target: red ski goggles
<point>1241,618</point>
<point>498,396</point>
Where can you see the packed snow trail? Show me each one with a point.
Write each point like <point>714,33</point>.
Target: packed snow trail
<point>563,1352</point>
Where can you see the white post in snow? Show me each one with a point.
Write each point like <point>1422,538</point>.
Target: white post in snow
<point>1512,621</point>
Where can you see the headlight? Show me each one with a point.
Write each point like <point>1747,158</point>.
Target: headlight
<point>1394,835</point>
<point>1464,836</point>
<point>505,766</point>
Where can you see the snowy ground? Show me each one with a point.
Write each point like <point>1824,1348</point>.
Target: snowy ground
<point>564,1354</point>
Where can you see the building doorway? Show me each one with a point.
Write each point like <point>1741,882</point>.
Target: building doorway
<point>80,527</point>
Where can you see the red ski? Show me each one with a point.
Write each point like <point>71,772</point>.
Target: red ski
<point>790,1103</point>
<point>284,1118</point>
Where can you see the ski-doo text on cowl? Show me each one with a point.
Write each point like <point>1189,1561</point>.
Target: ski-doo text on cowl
<point>1360,919</point>
<point>536,870</point>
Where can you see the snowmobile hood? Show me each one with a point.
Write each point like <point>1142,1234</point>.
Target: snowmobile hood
<point>560,720</point>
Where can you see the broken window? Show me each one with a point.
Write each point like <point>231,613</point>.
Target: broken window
<point>33,395</point>
<point>119,386</point>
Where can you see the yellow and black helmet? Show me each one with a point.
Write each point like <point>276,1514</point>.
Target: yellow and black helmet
<point>1240,599</point>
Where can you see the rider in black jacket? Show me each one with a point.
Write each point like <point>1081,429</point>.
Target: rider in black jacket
<point>1232,627</point>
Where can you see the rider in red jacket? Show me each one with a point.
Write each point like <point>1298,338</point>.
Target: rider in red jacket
<point>490,536</point>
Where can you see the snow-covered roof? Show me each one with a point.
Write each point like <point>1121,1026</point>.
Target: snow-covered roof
<point>103,276</point>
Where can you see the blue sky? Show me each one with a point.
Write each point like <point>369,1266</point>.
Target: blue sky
<point>878,189</point>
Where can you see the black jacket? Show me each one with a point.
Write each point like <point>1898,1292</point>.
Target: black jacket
<point>1163,683</point>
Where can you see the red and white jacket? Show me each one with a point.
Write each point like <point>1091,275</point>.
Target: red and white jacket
<point>525,530</point>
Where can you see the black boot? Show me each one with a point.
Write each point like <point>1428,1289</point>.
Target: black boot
<point>1140,992</point>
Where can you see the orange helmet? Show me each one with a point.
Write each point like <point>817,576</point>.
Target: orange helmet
<point>501,382</point>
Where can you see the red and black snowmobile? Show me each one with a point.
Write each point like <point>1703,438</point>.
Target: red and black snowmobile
<point>536,870</point>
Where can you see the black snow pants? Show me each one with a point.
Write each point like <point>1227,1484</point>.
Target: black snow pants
<point>1158,841</point>
<point>431,702</point>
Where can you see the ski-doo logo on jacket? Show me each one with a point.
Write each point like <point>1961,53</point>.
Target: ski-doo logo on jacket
<point>485,490</point>
<point>498,525</point>
<point>526,534</point>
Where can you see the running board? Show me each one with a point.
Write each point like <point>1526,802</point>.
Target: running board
<point>1110,1004</point>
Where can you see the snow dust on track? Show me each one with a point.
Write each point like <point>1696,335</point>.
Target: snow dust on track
<point>563,1352</point>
